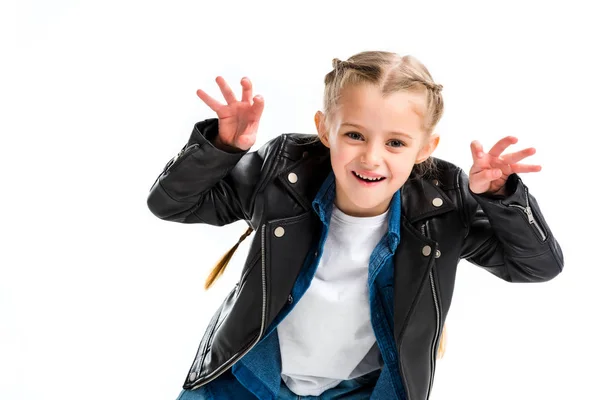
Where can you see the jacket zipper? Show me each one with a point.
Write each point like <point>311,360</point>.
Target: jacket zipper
<point>234,359</point>
<point>437,321</point>
<point>529,214</point>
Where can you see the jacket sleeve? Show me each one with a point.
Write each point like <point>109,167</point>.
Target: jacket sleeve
<point>507,235</point>
<point>203,184</point>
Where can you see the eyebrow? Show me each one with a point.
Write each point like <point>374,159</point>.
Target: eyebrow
<point>392,132</point>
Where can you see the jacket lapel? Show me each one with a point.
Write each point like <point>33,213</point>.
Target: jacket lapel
<point>411,269</point>
<point>423,199</point>
<point>304,178</point>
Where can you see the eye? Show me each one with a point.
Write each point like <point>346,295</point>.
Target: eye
<point>354,135</point>
<point>396,143</point>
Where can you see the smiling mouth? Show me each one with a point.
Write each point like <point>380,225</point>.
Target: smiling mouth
<point>367,179</point>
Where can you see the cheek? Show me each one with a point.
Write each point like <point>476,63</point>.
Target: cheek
<point>401,168</point>
<point>341,155</point>
<point>338,162</point>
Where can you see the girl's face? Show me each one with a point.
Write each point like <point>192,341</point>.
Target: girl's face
<point>374,137</point>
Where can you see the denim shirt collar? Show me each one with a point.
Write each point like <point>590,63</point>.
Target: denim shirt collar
<point>323,206</point>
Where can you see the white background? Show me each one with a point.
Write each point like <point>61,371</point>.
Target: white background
<point>99,299</point>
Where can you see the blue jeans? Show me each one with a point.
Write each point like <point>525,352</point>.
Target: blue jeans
<point>354,389</point>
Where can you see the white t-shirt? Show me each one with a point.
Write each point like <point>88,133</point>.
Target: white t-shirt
<point>328,336</point>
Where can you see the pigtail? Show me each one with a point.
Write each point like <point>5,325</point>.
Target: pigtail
<point>219,267</point>
<point>442,346</point>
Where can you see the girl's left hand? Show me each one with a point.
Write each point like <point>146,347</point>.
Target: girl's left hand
<point>491,170</point>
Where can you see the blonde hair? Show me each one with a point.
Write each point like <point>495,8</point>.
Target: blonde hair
<point>392,73</point>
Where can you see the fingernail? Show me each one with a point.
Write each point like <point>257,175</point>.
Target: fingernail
<point>498,173</point>
<point>480,154</point>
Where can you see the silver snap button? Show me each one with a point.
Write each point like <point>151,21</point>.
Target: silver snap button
<point>290,299</point>
<point>279,231</point>
<point>192,376</point>
<point>305,154</point>
<point>292,177</point>
<point>437,202</point>
<point>426,250</point>
<point>316,253</point>
<point>436,182</point>
<point>438,254</point>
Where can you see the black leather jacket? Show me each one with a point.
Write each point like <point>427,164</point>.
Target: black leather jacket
<point>442,223</point>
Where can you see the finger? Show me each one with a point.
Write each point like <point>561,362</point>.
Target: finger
<point>513,158</point>
<point>226,90</point>
<point>522,168</point>
<point>476,151</point>
<point>488,175</point>
<point>258,106</point>
<point>479,182</point>
<point>246,90</point>
<point>209,101</point>
<point>501,145</point>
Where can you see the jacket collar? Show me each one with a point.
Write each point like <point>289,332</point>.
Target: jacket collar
<point>421,199</point>
<point>417,199</point>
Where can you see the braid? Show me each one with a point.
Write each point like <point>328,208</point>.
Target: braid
<point>340,66</point>
<point>434,87</point>
<point>219,267</point>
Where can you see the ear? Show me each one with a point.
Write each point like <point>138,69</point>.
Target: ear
<point>322,131</point>
<point>428,148</point>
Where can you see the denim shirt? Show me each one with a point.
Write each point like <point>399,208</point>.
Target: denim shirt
<point>259,371</point>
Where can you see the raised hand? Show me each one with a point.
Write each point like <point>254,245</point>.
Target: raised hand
<point>238,120</point>
<point>491,170</point>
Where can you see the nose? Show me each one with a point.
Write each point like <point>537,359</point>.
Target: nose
<point>371,155</point>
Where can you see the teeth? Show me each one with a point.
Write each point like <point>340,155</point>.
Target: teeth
<point>367,178</point>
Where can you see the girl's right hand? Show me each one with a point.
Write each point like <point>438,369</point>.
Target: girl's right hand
<point>238,120</point>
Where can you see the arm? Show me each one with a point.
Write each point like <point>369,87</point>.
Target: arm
<point>205,184</point>
<point>507,234</point>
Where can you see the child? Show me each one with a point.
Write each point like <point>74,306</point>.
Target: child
<point>359,230</point>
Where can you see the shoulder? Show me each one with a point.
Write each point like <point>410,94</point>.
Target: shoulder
<point>300,145</point>
<point>445,181</point>
<point>302,154</point>
<point>291,147</point>
<point>444,174</point>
